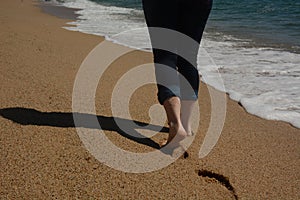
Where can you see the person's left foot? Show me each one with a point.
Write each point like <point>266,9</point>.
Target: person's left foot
<point>176,135</point>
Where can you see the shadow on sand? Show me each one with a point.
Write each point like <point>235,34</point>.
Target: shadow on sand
<point>28,116</point>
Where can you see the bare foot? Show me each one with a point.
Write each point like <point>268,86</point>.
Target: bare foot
<point>188,129</point>
<point>176,134</point>
<point>187,107</point>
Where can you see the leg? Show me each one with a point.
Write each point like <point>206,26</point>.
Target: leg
<point>195,12</point>
<point>163,14</point>
<point>172,107</point>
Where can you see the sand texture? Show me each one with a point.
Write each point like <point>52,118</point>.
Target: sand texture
<point>42,156</point>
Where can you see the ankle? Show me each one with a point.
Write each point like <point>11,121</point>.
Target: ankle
<point>175,124</point>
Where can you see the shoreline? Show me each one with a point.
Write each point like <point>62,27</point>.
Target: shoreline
<point>43,156</point>
<point>248,106</point>
<point>58,10</point>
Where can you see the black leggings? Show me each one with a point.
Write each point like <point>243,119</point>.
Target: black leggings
<point>187,17</point>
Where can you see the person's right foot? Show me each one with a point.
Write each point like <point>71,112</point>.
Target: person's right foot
<point>187,107</point>
<point>188,130</point>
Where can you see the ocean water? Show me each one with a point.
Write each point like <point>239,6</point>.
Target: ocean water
<point>254,46</point>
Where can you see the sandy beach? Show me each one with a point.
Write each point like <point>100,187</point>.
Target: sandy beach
<point>42,156</point>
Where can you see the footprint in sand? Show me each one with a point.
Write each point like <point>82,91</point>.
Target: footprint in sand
<point>221,179</point>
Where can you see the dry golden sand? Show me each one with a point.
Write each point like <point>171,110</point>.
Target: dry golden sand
<point>42,157</point>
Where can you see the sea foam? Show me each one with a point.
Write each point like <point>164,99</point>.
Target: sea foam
<point>266,81</point>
